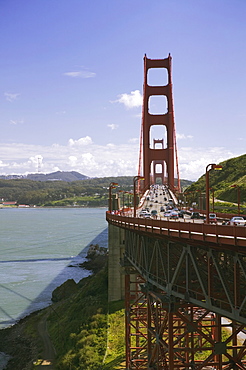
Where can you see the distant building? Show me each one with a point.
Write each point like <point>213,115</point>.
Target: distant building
<point>9,203</point>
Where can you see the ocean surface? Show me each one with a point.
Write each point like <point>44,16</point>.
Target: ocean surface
<point>40,249</point>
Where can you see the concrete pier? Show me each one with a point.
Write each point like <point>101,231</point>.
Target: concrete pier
<point>116,248</point>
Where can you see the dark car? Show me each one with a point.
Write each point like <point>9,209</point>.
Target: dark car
<point>181,213</point>
<point>195,215</point>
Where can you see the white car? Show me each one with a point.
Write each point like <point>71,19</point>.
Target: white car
<point>167,213</point>
<point>237,221</point>
<point>147,215</point>
<point>212,218</point>
<point>171,214</point>
<point>143,213</point>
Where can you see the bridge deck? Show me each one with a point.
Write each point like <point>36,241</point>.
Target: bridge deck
<point>219,235</point>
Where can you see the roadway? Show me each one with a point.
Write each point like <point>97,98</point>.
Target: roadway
<point>160,203</point>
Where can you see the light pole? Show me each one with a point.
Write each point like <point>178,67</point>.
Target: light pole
<point>238,197</point>
<point>200,199</point>
<point>130,193</point>
<point>112,185</point>
<point>123,192</point>
<point>209,167</point>
<point>212,190</point>
<point>135,179</point>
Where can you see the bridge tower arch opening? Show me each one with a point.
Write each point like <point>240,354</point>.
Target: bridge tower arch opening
<point>158,111</point>
<point>159,169</point>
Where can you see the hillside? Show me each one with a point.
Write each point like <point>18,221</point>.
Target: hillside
<point>67,176</point>
<point>233,173</point>
<point>57,176</point>
<point>86,331</point>
<point>92,192</point>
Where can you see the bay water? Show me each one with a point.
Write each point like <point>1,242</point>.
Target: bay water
<point>40,249</point>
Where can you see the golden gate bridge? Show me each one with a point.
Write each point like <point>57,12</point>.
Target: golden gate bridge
<point>183,283</point>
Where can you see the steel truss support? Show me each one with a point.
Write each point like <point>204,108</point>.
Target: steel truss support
<point>162,333</point>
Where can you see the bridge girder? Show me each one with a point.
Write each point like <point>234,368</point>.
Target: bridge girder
<point>165,335</point>
<point>202,275</point>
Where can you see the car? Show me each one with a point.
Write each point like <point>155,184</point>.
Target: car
<point>143,213</point>
<point>171,214</point>
<point>212,218</point>
<point>162,209</point>
<point>167,213</point>
<point>147,215</point>
<point>174,215</point>
<point>195,215</point>
<point>169,207</point>
<point>181,213</point>
<point>237,221</point>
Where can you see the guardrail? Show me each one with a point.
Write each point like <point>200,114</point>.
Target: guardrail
<point>221,235</point>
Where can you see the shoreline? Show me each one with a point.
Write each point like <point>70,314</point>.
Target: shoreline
<point>15,334</point>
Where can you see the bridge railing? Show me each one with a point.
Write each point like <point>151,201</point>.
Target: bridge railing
<point>221,235</point>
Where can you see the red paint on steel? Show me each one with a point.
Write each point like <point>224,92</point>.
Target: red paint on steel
<point>163,156</point>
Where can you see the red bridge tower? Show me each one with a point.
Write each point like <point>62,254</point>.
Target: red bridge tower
<point>166,156</point>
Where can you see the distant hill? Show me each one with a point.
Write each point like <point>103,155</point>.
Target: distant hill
<point>63,189</point>
<point>58,176</point>
<point>54,176</point>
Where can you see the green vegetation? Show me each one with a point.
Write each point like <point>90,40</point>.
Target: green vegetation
<point>220,182</point>
<point>83,193</point>
<point>87,332</point>
<point>86,193</point>
<point>78,327</point>
<point>81,326</point>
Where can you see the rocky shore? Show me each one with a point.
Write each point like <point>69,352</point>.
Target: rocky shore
<point>23,343</point>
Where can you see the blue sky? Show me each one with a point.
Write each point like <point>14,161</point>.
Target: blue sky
<point>71,75</point>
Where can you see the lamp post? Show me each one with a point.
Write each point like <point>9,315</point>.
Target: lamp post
<point>200,202</point>
<point>238,197</point>
<point>130,193</point>
<point>123,192</point>
<point>112,185</point>
<point>209,167</point>
<point>212,190</point>
<point>135,179</point>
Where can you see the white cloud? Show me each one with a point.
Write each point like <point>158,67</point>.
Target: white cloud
<point>72,160</point>
<point>2,164</point>
<point>96,160</point>
<point>11,97</point>
<point>132,100</point>
<point>193,161</point>
<point>80,74</point>
<point>183,136</point>
<point>88,159</point>
<point>82,141</point>
<point>36,161</point>
<point>111,146</point>
<point>12,122</point>
<point>134,140</point>
<point>113,126</point>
